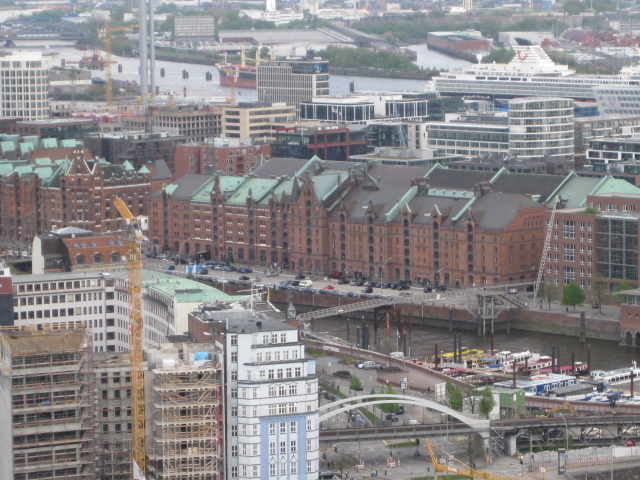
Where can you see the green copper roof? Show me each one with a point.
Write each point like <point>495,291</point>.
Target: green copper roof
<point>8,146</point>
<point>49,143</point>
<point>184,290</point>
<point>170,188</point>
<point>43,161</point>
<point>144,169</point>
<point>25,147</point>
<point>203,194</point>
<point>256,188</point>
<point>70,142</point>
<point>33,139</point>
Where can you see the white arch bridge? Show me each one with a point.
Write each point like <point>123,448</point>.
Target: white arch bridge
<point>482,427</point>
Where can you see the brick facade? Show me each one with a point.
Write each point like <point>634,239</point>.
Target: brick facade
<point>78,193</point>
<point>230,159</point>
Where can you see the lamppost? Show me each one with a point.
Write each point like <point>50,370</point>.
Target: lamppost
<point>382,273</point>
<point>566,439</point>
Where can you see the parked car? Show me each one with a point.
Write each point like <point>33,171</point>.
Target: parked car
<point>170,267</point>
<point>300,277</point>
<point>389,369</point>
<point>343,281</point>
<point>400,410</point>
<point>335,275</point>
<point>245,270</point>
<point>150,255</point>
<point>271,273</point>
<point>368,284</point>
<point>441,288</point>
<point>392,416</point>
<point>352,295</point>
<point>367,290</point>
<point>211,263</point>
<point>428,289</point>
<point>530,288</point>
<point>595,306</point>
<point>365,363</point>
<point>405,294</point>
<point>329,287</point>
<point>243,277</point>
<point>203,271</point>
<point>387,285</point>
<point>161,256</point>
<point>512,291</point>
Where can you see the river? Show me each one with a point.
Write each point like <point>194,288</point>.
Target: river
<point>604,355</point>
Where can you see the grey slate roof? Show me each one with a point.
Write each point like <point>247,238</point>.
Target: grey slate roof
<point>458,179</point>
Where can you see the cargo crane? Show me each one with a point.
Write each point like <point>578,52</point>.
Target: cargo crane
<point>136,325</point>
<point>450,464</point>
<point>107,63</point>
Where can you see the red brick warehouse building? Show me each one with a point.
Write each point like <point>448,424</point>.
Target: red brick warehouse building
<point>456,227</point>
<point>76,192</point>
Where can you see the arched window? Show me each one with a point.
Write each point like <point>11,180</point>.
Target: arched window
<point>115,257</point>
<point>80,259</point>
<point>241,254</point>
<point>97,258</point>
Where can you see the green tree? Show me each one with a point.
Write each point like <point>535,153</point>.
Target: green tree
<point>622,286</point>
<point>599,289</point>
<point>475,449</point>
<point>389,407</point>
<point>573,295</point>
<point>455,398</point>
<point>355,383</point>
<point>487,402</point>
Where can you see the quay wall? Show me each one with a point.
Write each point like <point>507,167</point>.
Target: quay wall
<point>567,323</point>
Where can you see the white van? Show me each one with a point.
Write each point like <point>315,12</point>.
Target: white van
<point>305,283</point>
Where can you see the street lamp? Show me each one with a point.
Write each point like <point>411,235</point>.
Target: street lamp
<point>566,438</point>
<point>382,273</point>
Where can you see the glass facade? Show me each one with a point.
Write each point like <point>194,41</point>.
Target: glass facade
<point>617,247</point>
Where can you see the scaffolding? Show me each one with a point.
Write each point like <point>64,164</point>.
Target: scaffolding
<point>187,423</point>
<point>52,404</point>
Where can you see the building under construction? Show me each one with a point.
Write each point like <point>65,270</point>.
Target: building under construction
<point>113,416</point>
<point>51,399</point>
<point>184,415</point>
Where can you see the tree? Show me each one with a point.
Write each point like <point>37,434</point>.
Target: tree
<point>622,286</point>
<point>454,396</point>
<point>389,407</point>
<point>475,449</point>
<point>355,383</point>
<point>599,289</point>
<point>549,293</point>
<point>487,402</point>
<point>344,462</point>
<point>573,295</point>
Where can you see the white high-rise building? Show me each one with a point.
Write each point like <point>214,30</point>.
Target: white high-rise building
<point>271,398</point>
<point>25,86</point>
<point>270,5</point>
<point>541,127</point>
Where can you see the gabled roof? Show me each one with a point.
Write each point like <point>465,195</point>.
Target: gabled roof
<point>457,179</point>
<point>187,185</point>
<point>528,184</point>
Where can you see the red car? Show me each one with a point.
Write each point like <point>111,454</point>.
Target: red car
<point>329,287</point>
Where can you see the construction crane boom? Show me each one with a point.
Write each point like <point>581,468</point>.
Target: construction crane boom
<point>545,250</point>
<point>136,325</point>
<point>459,467</point>
<point>107,64</point>
<point>233,74</point>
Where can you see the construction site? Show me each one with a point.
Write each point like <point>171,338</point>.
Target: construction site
<point>51,397</point>
<point>184,412</point>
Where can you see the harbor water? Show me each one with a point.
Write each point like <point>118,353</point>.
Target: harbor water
<point>604,355</point>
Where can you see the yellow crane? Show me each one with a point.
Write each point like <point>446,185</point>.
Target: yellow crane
<point>233,74</point>
<point>134,267</point>
<point>107,64</point>
<point>451,464</point>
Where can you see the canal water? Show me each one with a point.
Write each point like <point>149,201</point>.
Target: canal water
<point>604,355</point>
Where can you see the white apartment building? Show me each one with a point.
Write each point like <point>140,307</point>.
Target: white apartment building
<point>24,86</point>
<point>99,301</point>
<point>271,399</point>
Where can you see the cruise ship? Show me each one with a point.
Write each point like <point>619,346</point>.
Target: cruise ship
<point>531,73</point>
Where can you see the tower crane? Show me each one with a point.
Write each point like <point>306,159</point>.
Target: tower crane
<point>107,63</point>
<point>233,74</point>
<point>459,467</point>
<point>136,325</point>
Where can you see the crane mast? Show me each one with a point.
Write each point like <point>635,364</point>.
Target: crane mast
<point>545,251</point>
<point>136,325</point>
